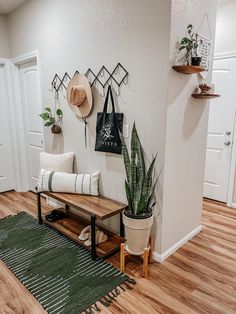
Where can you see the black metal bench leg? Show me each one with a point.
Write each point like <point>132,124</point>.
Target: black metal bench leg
<point>122,230</point>
<point>93,237</point>
<point>40,220</point>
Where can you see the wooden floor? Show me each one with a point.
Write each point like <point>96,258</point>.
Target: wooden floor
<point>199,278</point>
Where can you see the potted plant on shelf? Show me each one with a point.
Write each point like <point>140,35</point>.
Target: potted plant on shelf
<point>55,121</point>
<point>139,187</point>
<point>196,59</point>
<point>191,44</point>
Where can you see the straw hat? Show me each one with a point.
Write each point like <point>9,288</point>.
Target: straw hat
<point>79,96</point>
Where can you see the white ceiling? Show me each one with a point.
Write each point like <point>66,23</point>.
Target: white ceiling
<point>7,6</point>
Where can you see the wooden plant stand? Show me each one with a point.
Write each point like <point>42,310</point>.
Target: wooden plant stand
<point>147,257</point>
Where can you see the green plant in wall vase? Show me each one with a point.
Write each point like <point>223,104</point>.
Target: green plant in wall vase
<point>190,44</point>
<point>52,120</point>
<point>139,187</point>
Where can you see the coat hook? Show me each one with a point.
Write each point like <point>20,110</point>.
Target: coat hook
<point>118,91</point>
<point>125,80</point>
<point>103,91</point>
<point>51,89</point>
<point>64,94</point>
<point>102,73</point>
<point>110,80</point>
<point>54,87</point>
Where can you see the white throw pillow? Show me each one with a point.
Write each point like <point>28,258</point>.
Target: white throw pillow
<point>57,162</point>
<point>68,183</point>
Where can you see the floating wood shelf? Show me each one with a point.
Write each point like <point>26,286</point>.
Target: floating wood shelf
<point>188,69</point>
<point>72,226</point>
<point>205,96</point>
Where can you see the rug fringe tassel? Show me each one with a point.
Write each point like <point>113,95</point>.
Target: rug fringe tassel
<point>92,309</point>
<point>104,302</point>
<point>131,281</point>
<point>96,307</point>
<point>117,291</point>
<point>128,286</point>
<point>6,217</point>
<point>108,299</point>
<point>122,288</point>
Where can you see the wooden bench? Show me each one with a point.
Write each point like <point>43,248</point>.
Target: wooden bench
<point>98,208</point>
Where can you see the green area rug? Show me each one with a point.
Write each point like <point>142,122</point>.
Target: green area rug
<point>56,270</point>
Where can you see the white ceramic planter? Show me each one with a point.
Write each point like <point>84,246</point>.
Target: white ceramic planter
<point>137,232</point>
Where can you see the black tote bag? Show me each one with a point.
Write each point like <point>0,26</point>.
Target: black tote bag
<point>108,126</point>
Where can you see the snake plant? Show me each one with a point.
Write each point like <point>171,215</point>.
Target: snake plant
<point>139,185</point>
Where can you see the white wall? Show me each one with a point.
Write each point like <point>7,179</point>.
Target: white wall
<point>225,27</point>
<point>186,132</point>
<point>4,45</point>
<point>78,34</point>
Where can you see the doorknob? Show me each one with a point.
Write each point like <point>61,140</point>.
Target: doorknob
<point>227,143</point>
<point>228,132</point>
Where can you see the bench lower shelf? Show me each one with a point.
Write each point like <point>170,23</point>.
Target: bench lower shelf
<point>71,227</point>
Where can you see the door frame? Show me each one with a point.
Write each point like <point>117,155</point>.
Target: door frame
<point>232,167</point>
<point>11,119</point>
<point>23,173</point>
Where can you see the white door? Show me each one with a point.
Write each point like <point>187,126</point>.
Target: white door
<point>220,130</point>
<point>31,101</point>
<point>6,161</point>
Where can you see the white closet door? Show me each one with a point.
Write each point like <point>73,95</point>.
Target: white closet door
<point>31,100</point>
<point>6,161</point>
<point>220,131</point>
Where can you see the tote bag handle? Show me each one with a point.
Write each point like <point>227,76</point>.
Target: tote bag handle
<point>109,92</point>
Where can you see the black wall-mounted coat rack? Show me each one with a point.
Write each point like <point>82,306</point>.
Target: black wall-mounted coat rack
<point>104,77</point>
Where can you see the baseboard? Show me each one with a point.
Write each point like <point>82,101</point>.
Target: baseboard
<point>52,202</point>
<point>232,205</point>
<point>161,257</point>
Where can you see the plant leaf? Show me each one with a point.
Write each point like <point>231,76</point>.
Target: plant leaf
<point>128,195</point>
<point>44,116</point>
<point>181,48</point>
<point>51,119</point>
<point>146,193</point>
<point>126,159</point>
<point>141,171</point>
<point>134,170</point>
<point>185,40</point>
<point>47,109</point>
<point>140,155</point>
<point>152,193</point>
<point>49,123</point>
<point>59,112</point>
